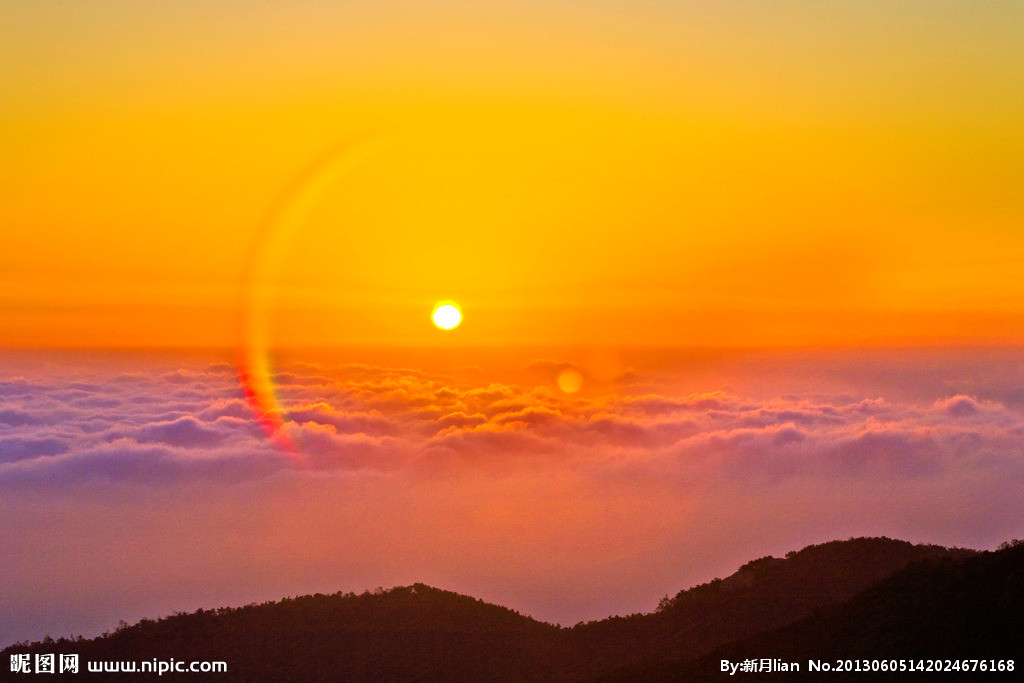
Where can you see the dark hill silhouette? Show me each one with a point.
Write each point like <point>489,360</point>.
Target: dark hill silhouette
<point>762,595</point>
<point>946,608</point>
<point>422,633</point>
<point>411,633</point>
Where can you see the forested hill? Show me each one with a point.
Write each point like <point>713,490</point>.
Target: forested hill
<point>946,609</point>
<point>408,633</point>
<point>762,595</point>
<point>860,597</point>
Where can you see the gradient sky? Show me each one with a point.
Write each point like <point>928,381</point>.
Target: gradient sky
<point>777,246</point>
<point>640,173</point>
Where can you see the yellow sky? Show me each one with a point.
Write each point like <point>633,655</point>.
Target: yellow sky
<point>632,173</point>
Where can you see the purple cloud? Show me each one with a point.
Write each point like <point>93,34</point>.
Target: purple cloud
<point>18,448</point>
<point>186,432</point>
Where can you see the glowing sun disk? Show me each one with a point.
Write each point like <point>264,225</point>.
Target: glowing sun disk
<point>447,316</point>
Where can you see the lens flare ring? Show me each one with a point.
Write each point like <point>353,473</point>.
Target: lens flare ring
<point>283,219</point>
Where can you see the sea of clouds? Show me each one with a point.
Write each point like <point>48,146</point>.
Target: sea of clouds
<point>137,488</point>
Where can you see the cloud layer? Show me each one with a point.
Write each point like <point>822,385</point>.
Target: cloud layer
<point>514,491</point>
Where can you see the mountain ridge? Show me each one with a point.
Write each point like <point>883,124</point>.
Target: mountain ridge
<point>423,633</point>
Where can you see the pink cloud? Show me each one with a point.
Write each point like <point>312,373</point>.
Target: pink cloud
<point>514,492</point>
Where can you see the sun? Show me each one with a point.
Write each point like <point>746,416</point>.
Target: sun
<point>447,316</point>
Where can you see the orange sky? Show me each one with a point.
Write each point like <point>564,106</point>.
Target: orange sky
<point>620,173</point>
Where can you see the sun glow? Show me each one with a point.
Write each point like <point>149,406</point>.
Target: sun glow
<point>570,381</point>
<point>447,316</point>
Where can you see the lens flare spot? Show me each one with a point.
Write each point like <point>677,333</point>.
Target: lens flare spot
<point>570,381</point>
<point>447,316</point>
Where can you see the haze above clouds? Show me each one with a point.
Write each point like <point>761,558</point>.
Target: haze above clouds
<point>141,486</point>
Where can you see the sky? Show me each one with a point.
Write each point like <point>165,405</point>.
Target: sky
<point>736,277</point>
<point>642,173</point>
